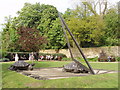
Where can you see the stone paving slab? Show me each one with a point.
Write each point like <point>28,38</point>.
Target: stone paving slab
<point>57,73</point>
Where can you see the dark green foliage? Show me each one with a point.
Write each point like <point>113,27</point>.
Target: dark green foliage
<point>3,54</point>
<point>60,54</point>
<point>66,59</point>
<point>4,59</point>
<point>92,59</point>
<point>117,59</point>
<point>89,59</point>
<point>81,59</point>
<point>45,19</point>
<point>9,36</point>
<point>111,32</point>
<point>56,36</point>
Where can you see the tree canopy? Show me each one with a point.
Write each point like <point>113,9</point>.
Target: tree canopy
<point>90,27</point>
<point>45,19</point>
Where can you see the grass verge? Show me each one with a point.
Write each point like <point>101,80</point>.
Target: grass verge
<point>12,79</point>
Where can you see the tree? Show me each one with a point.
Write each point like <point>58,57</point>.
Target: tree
<point>30,39</point>
<point>111,32</point>
<point>43,18</point>
<point>99,5</point>
<point>86,27</point>
<point>9,35</point>
<point>88,32</point>
<point>56,36</point>
<point>93,28</point>
<point>37,16</point>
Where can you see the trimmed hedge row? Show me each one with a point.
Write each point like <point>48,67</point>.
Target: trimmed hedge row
<point>55,54</point>
<point>118,59</point>
<point>25,56</point>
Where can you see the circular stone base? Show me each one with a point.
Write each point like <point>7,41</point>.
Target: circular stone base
<point>57,73</point>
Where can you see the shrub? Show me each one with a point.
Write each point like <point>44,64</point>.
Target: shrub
<point>93,59</point>
<point>4,59</point>
<point>66,59</point>
<point>56,54</point>
<point>3,54</point>
<point>60,54</point>
<point>81,59</point>
<point>118,59</point>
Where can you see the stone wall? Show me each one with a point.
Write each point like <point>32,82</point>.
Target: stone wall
<point>89,52</point>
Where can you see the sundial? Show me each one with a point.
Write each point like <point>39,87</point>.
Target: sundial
<point>76,66</point>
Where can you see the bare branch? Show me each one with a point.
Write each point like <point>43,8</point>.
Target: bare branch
<point>90,8</point>
<point>105,8</point>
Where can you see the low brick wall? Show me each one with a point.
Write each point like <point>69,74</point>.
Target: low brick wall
<point>89,52</point>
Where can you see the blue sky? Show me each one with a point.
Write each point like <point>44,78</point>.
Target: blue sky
<point>10,7</point>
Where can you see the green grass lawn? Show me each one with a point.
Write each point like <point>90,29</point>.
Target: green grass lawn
<point>12,79</point>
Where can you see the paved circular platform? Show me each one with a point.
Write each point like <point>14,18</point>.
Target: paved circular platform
<point>57,73</point>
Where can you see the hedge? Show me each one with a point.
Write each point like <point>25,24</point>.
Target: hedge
<point>55,54</point>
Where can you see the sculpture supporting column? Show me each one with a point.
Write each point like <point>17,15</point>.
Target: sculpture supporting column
<point>64,25</point>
